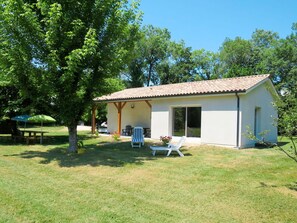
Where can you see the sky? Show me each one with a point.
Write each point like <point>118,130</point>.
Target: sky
<point>207,23</point>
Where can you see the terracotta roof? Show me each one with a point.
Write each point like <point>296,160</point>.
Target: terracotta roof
<point>217,86</point>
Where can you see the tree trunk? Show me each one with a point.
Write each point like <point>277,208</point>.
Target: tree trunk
<point>72,130</point>
<point>149,77</point>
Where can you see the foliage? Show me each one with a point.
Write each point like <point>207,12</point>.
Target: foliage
<point>260,139</point>
<point>287,121</point>
<point>80,147</point>
<point>285,67</point>
<point>9,101</point>
<point>154,48</point>
<point>150,50</point>
<point>240,57</point>
<point>61,54</point>
<point>101,113</point>
<point>178,66</point>
<point>159,60</point>
<point>285,61</point>
<point>135,73</point>
<point>206,64</point>
<point>237,58</point>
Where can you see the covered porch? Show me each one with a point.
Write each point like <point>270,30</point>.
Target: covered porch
<point>123,116</point>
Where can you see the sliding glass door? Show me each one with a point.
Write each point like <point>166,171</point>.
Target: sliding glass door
<point>179,121</point>
<point>187,121</point>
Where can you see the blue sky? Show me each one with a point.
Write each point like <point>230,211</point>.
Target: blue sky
<point>207,23</point>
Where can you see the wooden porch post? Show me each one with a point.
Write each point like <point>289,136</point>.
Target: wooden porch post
<point>119,117</point>
<point>94,108</point>
<point>119,106</point>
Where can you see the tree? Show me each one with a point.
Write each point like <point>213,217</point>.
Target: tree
<point>241,57</point>
<point>151,49</point>
<point>206,64</point>
<point>264,44</point>
<point>178,66</point>
<point>133,75</point>
<point>62,52</point>
<point>135,69</point>
<point>286,77</point>
<point>154,48</point>
<point>236,58</point>
<point>285,62</point>
<point>288,121</point>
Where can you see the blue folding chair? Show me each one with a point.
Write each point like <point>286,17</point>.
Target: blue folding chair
<point>137,137</point>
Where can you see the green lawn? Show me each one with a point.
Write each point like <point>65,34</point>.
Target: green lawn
<point>112,182</point>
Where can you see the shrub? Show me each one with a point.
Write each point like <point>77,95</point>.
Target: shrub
<point>165,139</point>
<point>116,136</point>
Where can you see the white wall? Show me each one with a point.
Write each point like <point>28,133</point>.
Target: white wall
<point>112,118</point>
<point>218,118</point>
<point>259,97</point>
<point>219,123</point>
<point>140,115</point>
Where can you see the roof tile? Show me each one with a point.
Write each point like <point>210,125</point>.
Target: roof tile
<point>217,86</point>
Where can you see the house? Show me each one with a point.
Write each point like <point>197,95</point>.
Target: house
<point>214,112</point>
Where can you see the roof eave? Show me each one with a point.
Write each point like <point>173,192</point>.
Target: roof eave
<point>171,96</point>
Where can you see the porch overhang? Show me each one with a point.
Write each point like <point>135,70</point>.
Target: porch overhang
<point>119,104</point>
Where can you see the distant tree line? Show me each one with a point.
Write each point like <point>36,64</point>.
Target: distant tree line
<point>156,59</point>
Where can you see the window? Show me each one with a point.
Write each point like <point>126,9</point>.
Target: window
<point>187,121</point>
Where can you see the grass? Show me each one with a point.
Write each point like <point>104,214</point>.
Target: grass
<point>112,182</point>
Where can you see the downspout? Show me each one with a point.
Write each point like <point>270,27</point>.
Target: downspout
<point>237,121</point>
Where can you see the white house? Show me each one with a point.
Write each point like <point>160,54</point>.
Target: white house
<point>207,112</point>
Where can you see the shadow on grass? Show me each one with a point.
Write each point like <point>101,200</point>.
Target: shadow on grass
<point>115,154</point>
<point>263,184</point>
<point>47,140</point>
<point>103,154</point>
<point>109,154</point>
<point>282,143</point>
<point>292,186</point>
<point>271,146</point>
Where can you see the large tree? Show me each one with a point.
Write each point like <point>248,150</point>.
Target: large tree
<point>154,48</point>
<point>236,58</point>
<point>63,51</point>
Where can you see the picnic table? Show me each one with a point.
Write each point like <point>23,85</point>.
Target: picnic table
<point>32,134</point>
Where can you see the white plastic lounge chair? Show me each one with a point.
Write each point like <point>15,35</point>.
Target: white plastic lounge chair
<point>137,137</point>
<point>170,148</point>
